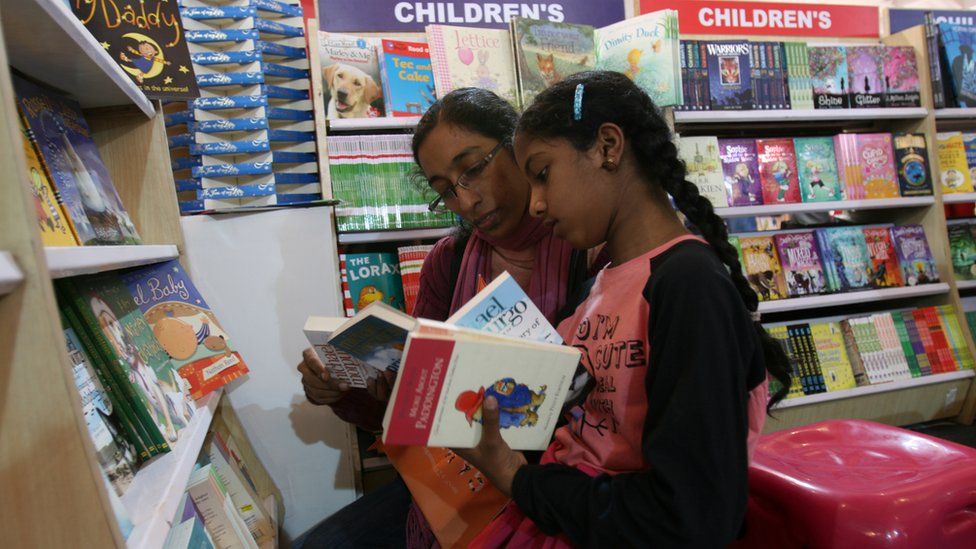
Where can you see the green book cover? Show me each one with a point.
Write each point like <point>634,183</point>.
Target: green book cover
<point>906,345</point>
<point>963,251</point>
<point>957,340</point>
<point>798,69</point>
<point>547,51</point>
<point>817,169</point>
<point>370,277</point>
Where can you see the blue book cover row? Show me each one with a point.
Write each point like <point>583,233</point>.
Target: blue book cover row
<point>292,157</point>
<point>186,185</point>
<point>218,12</point>
<point>231,147</point>
<point>277,7</point>
<point>229,35</point>
<point>231,125</point>
<point>230,170</point>
<point>283,71</point>
<point>272,48</point>
<point>177,118</point>
<point>275,113</point>
<point>274,27</point>
<point>281,92</point>
<point>237,191</point>
<point>229,79</point>
<point>230,102</point>
<point>185,163</point>
<point>287,136</point>
<point>296,178</point>
<point>225,57</point>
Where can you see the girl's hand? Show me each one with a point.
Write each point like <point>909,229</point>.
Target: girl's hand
<point>492,456</point>
<point>320,387</point>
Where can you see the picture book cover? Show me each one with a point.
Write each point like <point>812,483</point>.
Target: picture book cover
<point>969,144</point>
<point>443,382</point>
<point>836,366</point>
<point>184,326</point>
<point>547,51</point>
<point>914,255</point>
<point>369,277</point>
<point>408,79</point>
<point>645,48</point>
<point>762,267</point>
<point>802,267</point>
<point>962,248</point>
<point>701,158</point>
<point>54,225</point>
<point>849,253</point>
<point>954,171</point>
<point>470,57</point>
<point>901,77</point>
<point>375,336</point>
<point>351,82</point>
<point>65,144</point>
<point>778,171</point>
<point>876,159</point>
<point>958,43</point>
<point>817,169</point>
<point>865,69</point>
<point>829,76</point>
<point>503,308</point>
<point>885,270</point>
<point>411,261</point>
<point>729,75</point>
<point>740,170</point>
<point>912,164</point>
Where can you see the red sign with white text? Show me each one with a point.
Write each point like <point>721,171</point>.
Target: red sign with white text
<point>769,19</point>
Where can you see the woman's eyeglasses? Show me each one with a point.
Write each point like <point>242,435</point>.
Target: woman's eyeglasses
<point>467,180</point>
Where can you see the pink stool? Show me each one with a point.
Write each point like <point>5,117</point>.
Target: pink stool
<point>860,484</point>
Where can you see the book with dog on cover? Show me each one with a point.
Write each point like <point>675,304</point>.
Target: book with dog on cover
<point>350,71</point>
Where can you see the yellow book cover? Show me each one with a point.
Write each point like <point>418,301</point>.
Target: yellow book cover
<point>55,229</point>
<point>953,169</point>
<point>762,267</point>
<point>836,366</point>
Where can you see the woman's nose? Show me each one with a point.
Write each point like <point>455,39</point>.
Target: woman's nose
<point>468,199</point>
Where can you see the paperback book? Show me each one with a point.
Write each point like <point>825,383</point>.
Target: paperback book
<point>958,43</point>
<point>469,57</point>
<point>798,75</point>
<point>54,226</point>
<point>885,270</point>
<point>912,164</point>
<point>962,248</point>
<point>914,255</point>
<point>846,257</point>
<point>778,171</point>
<point>954,173</point>
<point>370,277</point>
<point>817,169</point>
<point>408,79</point>
<point>741,172</point>
<point>547,51</point>
<point>901,77</point>
<point>832,353</point>
<point>411,261</point>
<point>829,76</point>
<point>701,158</point>
<point>729,75</point>
<point>876,160</point>
<point>802,266</point>
<point>762,267</point>
<point>865,66</point>
<point>351,82</point>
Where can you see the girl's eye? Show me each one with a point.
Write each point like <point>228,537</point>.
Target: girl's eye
<point>542,175</point>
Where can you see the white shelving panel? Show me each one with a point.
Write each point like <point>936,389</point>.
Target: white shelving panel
<point>78,260</point>
<point>950,114</point>
<point>848,298</point>
<point>797,115</point>
<point>966,284</point>
<point>779,209</point>
<point>958,198</point>
<point>10,274</point>
<point>361,124</point>
<point>879,388</point>
<point>154,495</point>
<point>46,41</point>
<point>393,236</point>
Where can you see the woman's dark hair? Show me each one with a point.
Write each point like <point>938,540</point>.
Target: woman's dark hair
<point>474,109</point>
<point>612,97</point>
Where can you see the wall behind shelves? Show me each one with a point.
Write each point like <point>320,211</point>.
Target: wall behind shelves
<point>263,273</point>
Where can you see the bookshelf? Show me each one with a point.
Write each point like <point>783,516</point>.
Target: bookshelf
<point>958,198</point>
<point>954,114</point>
<point>966,285</point>
<point>394,236</point>
<point>798,115</point>
<point>891,386</point>
<point>804,207</point>
<point>10,275</point>
<point>46,455</point>
<point>851,298</point>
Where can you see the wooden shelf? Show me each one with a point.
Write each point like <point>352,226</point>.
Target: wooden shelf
<point>394,236</point>
<point>797,115</point>
<point>848,298</point>
<point>779,209</point>
<point>155,493</point>
<point>879,388</point>
<point>10,274</point>
<point>46,41</point>
<point>966,285</point>
<point>954,114</point>
<point>359,124</point>
<point>79,260</point>
<point>958,198</point>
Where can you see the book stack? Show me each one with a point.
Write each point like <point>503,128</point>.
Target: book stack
<point>178,118</point>
<point>953,74</point>
<point>411,261</point>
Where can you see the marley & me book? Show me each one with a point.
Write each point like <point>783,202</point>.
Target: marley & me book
<point>350,72</point>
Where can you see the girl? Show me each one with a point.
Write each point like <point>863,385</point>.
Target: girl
<point>657,454</point>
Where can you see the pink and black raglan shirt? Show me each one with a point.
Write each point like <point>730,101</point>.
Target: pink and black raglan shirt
<point>658,452</point>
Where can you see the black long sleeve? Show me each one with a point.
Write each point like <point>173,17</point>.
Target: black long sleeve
<point>703,348</point>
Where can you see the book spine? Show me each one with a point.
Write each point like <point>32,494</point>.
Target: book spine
<point>853,353</point>
<point>941,340</point>
<point>905,340</point>
<point>935,69</point>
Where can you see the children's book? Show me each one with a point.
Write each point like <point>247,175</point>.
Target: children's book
<point>901,77</point>
<point>969,144</point>
<point>847,252</point>
<point>762,267</point>
<point>244,498</point>
<point>798,75</point>
<point>836,367</point>
<point>351,82</point>
<point>64,141</point>
<point>912,164</point>
<point>958,43</point>
<point>408,79</point>
<point>829,76</point>
<point>729,75</point>
<point>849,166</point>
<point>962,251</point>
<point>222,521</point>
<point>914,255</point>
<point>502,307</point>
<point>700,155</point>
<point>411,261</point>
<point>877,164</point>
<point>817,169</point>
<point>800,258</point>
<point>954,171</point>
<point>885,270</point>
<point>741,171</point>
<point>547,51</point>
<point>469,57</point>
<point>370,277</point>
<point>865,69</point>
<point>184,326</point>
<point>778,171</point>
<point>55,229</point>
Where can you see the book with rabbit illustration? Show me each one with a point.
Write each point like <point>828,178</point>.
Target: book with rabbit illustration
<point>470,57</point>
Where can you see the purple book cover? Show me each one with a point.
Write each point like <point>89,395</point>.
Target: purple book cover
<point>901,77</point>
<point>864,66</point>
<point>802,267</point>
<point>740,169</point>
<point>914,256</point>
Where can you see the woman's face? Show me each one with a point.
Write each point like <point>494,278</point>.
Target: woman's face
<point>498,193</point>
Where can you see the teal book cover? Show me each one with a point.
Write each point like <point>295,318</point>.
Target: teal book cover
<point>408,80</point>
<point>851,259</point>
<point>645,49</point>
<point>370,277</point>
<point>817,169</point>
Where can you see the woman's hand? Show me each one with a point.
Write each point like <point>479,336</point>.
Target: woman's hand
<point>320,387</point>
<point>492,456</point>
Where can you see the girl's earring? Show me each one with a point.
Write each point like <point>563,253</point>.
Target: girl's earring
<point>609,165</point>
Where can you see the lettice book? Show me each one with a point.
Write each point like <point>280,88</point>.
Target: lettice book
<point>845,257</point>
<point>914,255</point>
<point>55,229</point>
<point>468,57</point>
<point>547,51</point>
<point>64,141</point>
<point>829,75</point>
<point>762,267</point>
<point>370,277</point>
<point>865,65</point>
<point>351,81</point>
<point>877,163</point>
<point>817,169</point>
<point>954,169</point>
<point>729,75</point>
<point>778,171</point>
<point>704,165</point>
<point>901,77</point>
<point>800,258</point>
<point>912,164</point>
<point>408,80</point>
<point>885,270</point>
<point>185,326</point>
<point>740,171</point>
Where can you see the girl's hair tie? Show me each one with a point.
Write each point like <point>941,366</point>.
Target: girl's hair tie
<point>578,103</point>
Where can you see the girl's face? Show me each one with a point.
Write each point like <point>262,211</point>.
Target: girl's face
<point>497,193</point>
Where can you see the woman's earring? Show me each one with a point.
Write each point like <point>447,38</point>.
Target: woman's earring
<point>609,165</point>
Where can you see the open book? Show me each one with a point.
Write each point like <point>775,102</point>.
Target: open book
<point>499,344</point>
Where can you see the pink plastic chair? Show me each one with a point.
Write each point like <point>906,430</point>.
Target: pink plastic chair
<point>860,484</point>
